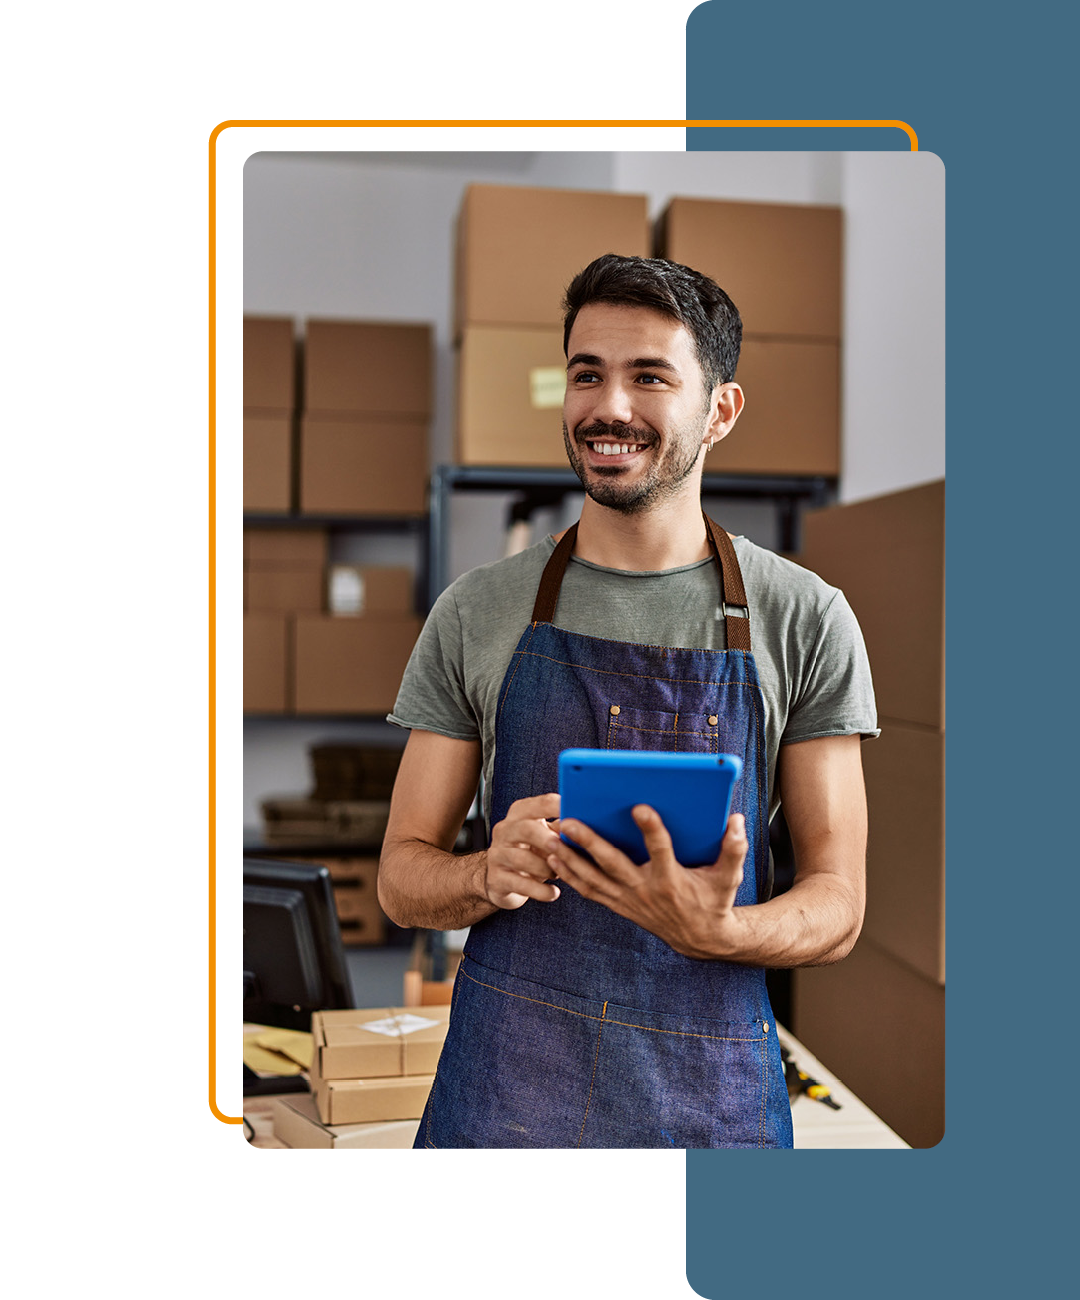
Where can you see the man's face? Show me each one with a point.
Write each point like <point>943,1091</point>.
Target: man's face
<point>636,413</point>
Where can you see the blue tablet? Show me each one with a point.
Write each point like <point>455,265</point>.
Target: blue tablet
<point>691,792</point>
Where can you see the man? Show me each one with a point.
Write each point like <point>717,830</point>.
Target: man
<point>600,1003</point>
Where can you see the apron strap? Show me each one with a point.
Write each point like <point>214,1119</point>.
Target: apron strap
<point>732,591</point>
<point>547,594</point>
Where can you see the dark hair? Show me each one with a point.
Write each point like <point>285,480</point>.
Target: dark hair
<point>688,296</point>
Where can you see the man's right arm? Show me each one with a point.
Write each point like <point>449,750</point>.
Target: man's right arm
<point>421,881</point>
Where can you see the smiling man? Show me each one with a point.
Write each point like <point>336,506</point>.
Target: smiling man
<point>600,1003</point>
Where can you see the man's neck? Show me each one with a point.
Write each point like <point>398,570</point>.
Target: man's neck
<point>667,536</point>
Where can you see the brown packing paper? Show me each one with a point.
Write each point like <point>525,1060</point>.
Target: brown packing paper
<point>364,1101</point>
<point>297,1124</point>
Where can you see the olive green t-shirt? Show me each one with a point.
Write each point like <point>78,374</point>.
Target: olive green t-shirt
<point>809,651</point>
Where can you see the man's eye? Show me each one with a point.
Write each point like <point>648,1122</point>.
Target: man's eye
<point>585,377</point>
<point>650,379</point>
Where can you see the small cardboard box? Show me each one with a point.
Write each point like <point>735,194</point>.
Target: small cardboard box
<point>361,917</point>
<point>269,363</point>
<point>351,665</point>
<point>378,1042</point>
<point>268,463</point>
<point>790,423</point>
<point>778,262</point>
<point>284,591</point>
<point>297,1124</point>
<point>518,248</point>
<point>366,1101</point>
<point>369,367</point>
<point>363,466</point>
<point>286,548</point>
<point>510,392</point>
<point>887,554</point>
<point>358,590</point>
<point>266,663</point>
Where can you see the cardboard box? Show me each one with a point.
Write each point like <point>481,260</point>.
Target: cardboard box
<point>519,247</point>
<point>365,870</point>
<point>358,590</point>
<point>266,663</point>
<point>351,665</point>
<point>268,463</point>
<point>790,423</point>
<point>378,1042</point>
<point>286,548</point>
<point>284,591</point>
<point>880,1026</point>
<point>362,919</point>
<point>296,1123</point>
<point>269,363</point>
<point>779,263</point>
<point>905,790</point>
<point>366,1101</point>
<point>363,467</point>
<point>369,367</point>
<point>887,554</point>
<point>510,392</point>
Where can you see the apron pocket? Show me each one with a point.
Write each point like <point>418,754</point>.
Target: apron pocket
<point>516,1068</point>
<point>670,1081</point>
<point>683,733</point>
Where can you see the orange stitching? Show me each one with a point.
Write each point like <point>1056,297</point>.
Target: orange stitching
<point>588,1100</point>
<point>623,1024</point>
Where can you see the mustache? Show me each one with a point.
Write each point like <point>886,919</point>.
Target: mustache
<point>598,430</point>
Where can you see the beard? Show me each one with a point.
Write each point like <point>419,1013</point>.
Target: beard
<point>663,478</point>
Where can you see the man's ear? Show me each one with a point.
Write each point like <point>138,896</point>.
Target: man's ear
<point>724,407</point>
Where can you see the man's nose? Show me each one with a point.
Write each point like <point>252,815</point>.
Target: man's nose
<point>614,404</point>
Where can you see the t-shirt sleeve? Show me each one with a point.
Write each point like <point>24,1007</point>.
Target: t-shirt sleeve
<point>432,695</point>
<point>835,694</point>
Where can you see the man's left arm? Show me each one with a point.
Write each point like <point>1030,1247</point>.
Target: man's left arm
<point>814,923</point>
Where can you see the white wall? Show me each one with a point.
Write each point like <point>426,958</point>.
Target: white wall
<point>311,222</point>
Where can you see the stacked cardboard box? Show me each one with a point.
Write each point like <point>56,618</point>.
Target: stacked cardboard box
<point>517,250</point>
<point>367,407</point>
<point>363,923</point>
<point>283,574</point>
<point>877,1018</point>
<point>781,265</point>
<point>297,1124</point>
<point>269,412</point>
<point>354,663</point>
<point>376,1064</point>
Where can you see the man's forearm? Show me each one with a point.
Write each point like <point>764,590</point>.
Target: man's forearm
<point>421,885</point>
<point>815,923</point>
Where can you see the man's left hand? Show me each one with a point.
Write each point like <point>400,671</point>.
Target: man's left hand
<point>692,910</point>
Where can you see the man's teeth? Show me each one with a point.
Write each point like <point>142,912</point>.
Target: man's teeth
<point>616,448</point>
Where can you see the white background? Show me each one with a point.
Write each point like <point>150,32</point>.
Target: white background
<point>121,1178</point>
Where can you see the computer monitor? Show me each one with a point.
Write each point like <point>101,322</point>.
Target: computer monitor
<point>294,960</point>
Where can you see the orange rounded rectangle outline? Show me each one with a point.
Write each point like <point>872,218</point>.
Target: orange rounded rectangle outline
<point>487,122</point>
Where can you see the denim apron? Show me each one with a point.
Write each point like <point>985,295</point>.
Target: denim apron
<point>572,1026</point>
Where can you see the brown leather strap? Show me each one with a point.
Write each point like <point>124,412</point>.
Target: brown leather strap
<point>547,594</point>
<point>732,591</point>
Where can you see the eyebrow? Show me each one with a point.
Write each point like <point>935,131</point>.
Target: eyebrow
<point>639,363</point>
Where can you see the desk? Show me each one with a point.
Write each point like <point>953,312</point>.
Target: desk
<point>853,1127</point>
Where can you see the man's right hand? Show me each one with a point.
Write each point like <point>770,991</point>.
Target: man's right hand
<point>516,867</point>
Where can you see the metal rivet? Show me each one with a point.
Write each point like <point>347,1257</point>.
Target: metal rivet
<point>766,1026</point>
<point>615,710</point>
<point>713,720</point>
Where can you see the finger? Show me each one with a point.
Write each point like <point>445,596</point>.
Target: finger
<point>521,860</point>
<point>655,833</point>
<point>580,874</point>
<point>537,805</point>
<point>514,891</point>
<point>611,861</point>
<point>733,850</point>
<point>532,833</point>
